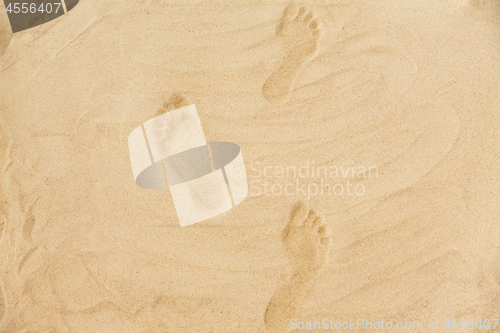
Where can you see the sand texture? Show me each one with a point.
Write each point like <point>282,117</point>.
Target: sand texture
<point>396,103</point>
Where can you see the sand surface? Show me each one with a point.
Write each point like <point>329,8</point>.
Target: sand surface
<point>407,89</point>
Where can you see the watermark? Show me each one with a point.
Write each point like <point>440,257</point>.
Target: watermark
<point>357,324</point>
<point>204,179</point>
<point>365,324</point>
<point>309,179</point>
<point>28,14</point>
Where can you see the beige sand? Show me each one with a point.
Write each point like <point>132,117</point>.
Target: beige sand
<point>408,88</point>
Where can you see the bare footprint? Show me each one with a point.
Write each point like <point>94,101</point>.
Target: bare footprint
<point>484,10</point>
<point>307,242</point>
<point>176,101</point>
<point>301,31</point>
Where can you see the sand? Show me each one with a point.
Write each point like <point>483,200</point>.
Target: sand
<point>394,103</point>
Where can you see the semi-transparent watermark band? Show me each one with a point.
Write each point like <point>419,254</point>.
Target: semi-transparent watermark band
<point>205,180</point>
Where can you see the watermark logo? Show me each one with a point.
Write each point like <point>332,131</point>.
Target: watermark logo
<point>26,15</point>
<point>205,180</point>
<point>310,180</point>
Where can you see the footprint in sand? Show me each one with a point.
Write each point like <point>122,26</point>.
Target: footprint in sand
<point>307,242</point>
<point>176,101</point>
<point>301,31</point>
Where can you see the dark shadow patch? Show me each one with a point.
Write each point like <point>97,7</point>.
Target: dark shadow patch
<point>70,4</point>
